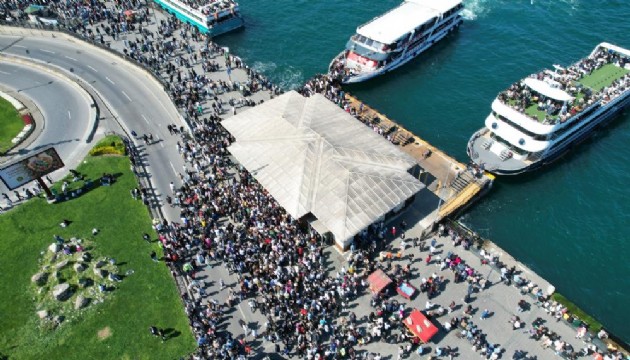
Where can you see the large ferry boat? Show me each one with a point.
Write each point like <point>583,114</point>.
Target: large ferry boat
<point>541,117</point>
<point>213,17</point>
<point>394,38</point>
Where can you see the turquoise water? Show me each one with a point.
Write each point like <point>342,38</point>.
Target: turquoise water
<point>567,222</point>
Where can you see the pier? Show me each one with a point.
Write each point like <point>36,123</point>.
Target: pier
<point>450,187</point>
<point>454,184</point>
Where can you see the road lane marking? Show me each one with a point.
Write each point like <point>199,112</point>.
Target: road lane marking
<point>92,68</point>
<point>20,46</point>
<point>71,58</point>
<point>127,96</point>
<point>162,144</point>
<point>110,80</point>
<point>4,72</point>
<point>145,119</point>
<point>173,167</point>
<point>69,115</point>
<point>48,51</point>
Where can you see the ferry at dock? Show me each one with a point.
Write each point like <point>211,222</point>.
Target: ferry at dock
<point>395,38</point>
<point>541,117</point>
<point>214,17</point>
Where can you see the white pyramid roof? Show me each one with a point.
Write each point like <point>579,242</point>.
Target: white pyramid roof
<point>313,157</point>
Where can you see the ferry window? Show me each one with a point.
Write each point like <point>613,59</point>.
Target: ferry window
<point>369,42</point>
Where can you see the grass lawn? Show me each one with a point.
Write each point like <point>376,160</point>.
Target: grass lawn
<point>533,111</point>
<point>603,77</point>
<point>146,297</point>
<point>11,124</point>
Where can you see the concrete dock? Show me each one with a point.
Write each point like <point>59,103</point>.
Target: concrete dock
<point>454,185</point>
<point>450,187</point>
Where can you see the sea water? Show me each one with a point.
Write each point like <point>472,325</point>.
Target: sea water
<point>568,222</point>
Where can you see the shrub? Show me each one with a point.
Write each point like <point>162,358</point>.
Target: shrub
<point>110,145</point>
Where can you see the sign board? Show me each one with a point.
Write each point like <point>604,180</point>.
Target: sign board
<point>31,168</point>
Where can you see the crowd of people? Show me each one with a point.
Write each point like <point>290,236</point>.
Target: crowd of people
<point>521,97</point>
<point>227,217</point>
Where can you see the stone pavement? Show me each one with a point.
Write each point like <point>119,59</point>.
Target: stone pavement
<point>501,300</point>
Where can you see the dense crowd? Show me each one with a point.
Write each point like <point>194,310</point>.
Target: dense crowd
<point>520,96</point>
<point>227,217</point>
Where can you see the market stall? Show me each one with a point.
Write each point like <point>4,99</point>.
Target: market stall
<point>378,281</point>
<point>420,326</point>
<point>406,290</point>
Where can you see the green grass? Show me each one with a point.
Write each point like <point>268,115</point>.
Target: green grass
<point>533,111</point>
<point>146,297</point>
<point>603,77</point>
<point>594,325</point>
<point>11,124</point>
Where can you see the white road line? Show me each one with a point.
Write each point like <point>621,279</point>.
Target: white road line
<point>173,167</point>
<point>48,51</point>
<point>71,58</point>
<point>242,312</point>
<point>92,68</point>
<point>69,115</point>
<point>20,46</point>
<point>127,96</point>
<point>4,72</point>
<point>145,119</point>
<point>110,80</point>
<point>162,144</point>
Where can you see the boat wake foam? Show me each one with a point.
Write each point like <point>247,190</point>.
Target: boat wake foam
<point>475,8</point>
<point>291,78</point>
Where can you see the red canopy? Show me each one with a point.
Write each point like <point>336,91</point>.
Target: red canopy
<point>378,281</point>
<point>420,326</point>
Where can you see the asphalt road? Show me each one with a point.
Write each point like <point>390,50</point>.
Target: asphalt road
<point>58,101</point>
<point>135,101</point>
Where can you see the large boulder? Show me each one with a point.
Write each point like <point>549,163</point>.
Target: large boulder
<point>40,278</point>
<point>80,302</point>
<point>54,248</point>
<point>57,320</point>
<point>79,267</point>
<point>84,282</point>
<point>62,264</point>
<point>62,292</point>
<point>42,314</point>
<point>100,273</point>
<point>86,257</point>
<point>99,264</point>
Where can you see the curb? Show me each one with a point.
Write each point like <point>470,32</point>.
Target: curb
<point>50,69</point>
<point>130,63</point>
<point>27,130</point>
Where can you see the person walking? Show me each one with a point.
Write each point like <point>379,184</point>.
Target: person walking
<point>154,256</point>
<point>157,332</point>
<point>485,314</point>
<point>172,186</point>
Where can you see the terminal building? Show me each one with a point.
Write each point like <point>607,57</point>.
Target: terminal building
<point>322,165</point>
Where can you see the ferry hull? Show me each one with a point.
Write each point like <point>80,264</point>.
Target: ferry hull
<point>361,77</point>
<point>218,29</point>
<point>581,135</point>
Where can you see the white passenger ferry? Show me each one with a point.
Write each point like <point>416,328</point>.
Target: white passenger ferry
<point>394,38</point>
<point>541,117</point>
<point>212,17</point>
